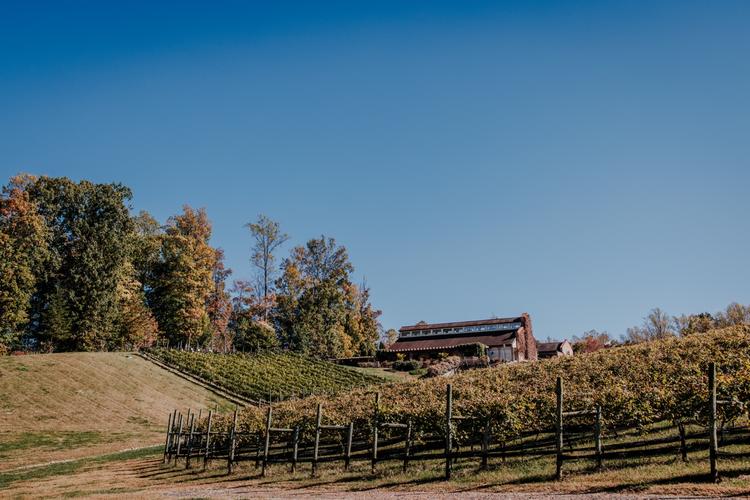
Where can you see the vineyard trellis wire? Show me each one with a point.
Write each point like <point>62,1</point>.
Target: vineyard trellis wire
<point>186,441</point>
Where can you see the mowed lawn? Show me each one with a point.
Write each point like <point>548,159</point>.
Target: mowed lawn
<point>70,405</point>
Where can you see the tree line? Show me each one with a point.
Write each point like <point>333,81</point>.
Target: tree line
<point>80,272</point>
<point>657,324</point>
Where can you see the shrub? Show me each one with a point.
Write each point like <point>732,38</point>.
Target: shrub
<point>407,365</point>
<point>443,367</point>
<point>474,362</point>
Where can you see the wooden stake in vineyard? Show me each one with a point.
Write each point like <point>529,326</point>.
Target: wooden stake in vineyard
<point>375,424</point>
<point>317,439</point>
<point>179,442</point>
<point>448,430</point>
<point>407,445</point>
<point>712,438</point>
<point>207,456</point>
<point>169,433</point>
<point>267,442</point>
<point>190,441</point>
<point>598,438</point>
<point>485,444</point>
<point>295,448</point>
<point>349,437</point>
<point>559,429</point>
<point>232,444</point>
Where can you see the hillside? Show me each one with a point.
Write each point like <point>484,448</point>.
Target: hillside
<point>267,376</point>
<point>57,406</point>
<point>634,385</point>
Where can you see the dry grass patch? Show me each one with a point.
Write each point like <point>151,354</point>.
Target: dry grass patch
<point>69,405</point>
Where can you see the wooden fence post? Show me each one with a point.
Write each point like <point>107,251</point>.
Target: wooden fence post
<point>257,450</point>
<point>172,442</point>
<point>559,429</point>
<point>179,442</point>
<point>207,456</point>
<point>683,440</point>
<point>232,442</point>
<point>407,445</point>
<point>375,425</point>
<point>169,434</point>
<point>267,443</point>
<point>317,439</point>
<point>485,445</point>
<point>598,437</point>
<point>448,430</point>
<point>349,436</point>
<point>713,442</point>
<point>295,448</point>
<point>190,442</point>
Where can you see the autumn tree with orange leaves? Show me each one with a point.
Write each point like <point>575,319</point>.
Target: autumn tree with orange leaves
<point>23,247</point>
<point>183,280</point>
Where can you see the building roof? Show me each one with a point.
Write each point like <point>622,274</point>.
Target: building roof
<point>433,326</point>
<point>436,343</point>
<point>548,346</point>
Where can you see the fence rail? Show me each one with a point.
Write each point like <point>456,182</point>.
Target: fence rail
<point>394,441</point>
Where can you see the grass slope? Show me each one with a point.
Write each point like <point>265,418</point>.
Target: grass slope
<point>60,406</point>
<point>269,375</point>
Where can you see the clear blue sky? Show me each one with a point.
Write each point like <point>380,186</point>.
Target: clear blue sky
<point>582,161</point>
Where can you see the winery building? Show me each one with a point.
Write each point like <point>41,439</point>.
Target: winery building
<point>506,339</point>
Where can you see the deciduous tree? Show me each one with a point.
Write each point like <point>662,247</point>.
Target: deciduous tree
<point>90,226</point>
<point>591,341</point>
<point>267,238</point>
<point>184,278</point>
<point>219,306</point>
<point>319,310</point>
<point>694,323</point>
<point>657,325</point>
<point>23,247</point>
<point>251,332</point>
<point>734,314</point>
<point>390,337</point>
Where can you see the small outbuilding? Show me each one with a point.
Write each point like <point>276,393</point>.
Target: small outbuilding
<point>553,349</point>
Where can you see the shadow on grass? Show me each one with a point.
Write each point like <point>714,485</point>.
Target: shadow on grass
<point>362,481</point>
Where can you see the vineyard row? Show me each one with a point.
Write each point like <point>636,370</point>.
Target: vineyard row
<point>192,439</point>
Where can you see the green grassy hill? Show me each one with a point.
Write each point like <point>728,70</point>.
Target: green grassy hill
<point>268,376</point>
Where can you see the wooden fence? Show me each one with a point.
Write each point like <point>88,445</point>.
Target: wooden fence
<point>389,441</point>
